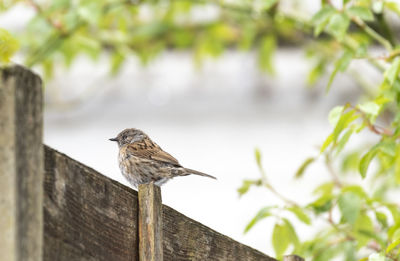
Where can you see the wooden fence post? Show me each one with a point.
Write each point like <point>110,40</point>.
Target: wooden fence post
<point>292,258</point>
<point>21,165</point>
<point>150,223</point>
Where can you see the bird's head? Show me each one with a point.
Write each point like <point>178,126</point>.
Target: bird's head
<point>128,136</point>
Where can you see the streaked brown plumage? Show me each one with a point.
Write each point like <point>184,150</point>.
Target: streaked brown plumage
<point>142,161</point>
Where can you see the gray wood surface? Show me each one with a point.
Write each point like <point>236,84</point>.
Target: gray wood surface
<point>21,165</point>
<point>187,239</point>
<point>150,223</point>
<point>91,217</point>
<point>87,216</point>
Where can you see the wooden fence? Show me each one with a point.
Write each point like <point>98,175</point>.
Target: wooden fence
<point>55,208</point>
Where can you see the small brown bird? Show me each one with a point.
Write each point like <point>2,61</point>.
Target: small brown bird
<point>142,161</point>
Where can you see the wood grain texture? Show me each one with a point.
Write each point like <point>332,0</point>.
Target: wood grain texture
<point>21,165</point>
<point>187,239</point>
<point>91,217</point>
<point>87,216</point>
<point>292,258</point>
<point>150,223</point>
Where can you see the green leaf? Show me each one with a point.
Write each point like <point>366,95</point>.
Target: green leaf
<point>349,249</point>
<point>48,68</point>
<point>303,167</point>
<point>117,60</point>
<point>388,147</point>
<point>249,32</point>
<point>265,54</point>
<point>87,44</point>
<point>397,164</point>
<point>366,160</point>
<point>370,234</point>
<point>321,19</point>
<point>343,122</point>
<point>393,245</point>
<point>356,190</point>
<point>324,189</point>
<point>338,24</point>
<point>294,239</point>
<point>345,60</point>
<point>320,27</point>
<point>351,161</point>
<point>395,211</point>
<point>362,50</point>
<point>370,108</point>
<point>322,204</point>
<point>322,15</point>
<point>394,231</point>
<point>257,154</point>
<point>326,143</point>
<point>300,214</point>
<point>317,71</point>
<point>280,239</point>
<point>366,235</point>
<point>342,142</point>
<point>364,229</point>
<point>392,72</point>
<point>349,205</point>
<point>246,186</point>
<point>90,12</point>
<point>267,4</point>
<point>335,114</point>
<point>326,253</point>
<point>8,46</point>
<point>51,44</point>
<point>393,6</point>
<point>340,65</point>
<point>263,213</point>
<point>396,234</point>
<point>395,241</point>
<point>362,12</point>
<point>382,219</point>
<point>149,30</point>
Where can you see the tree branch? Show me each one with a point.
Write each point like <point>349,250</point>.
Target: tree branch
<point>371,32</point>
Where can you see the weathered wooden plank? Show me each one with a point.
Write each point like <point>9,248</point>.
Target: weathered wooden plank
<point>90,217</point>
<point>187,239</point>
<point>87,216</point>
<point>292,258</point>
<point>21,165</point>
<point>150,223</point>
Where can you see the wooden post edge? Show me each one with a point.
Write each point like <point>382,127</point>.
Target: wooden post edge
<point>150,223</point>
<point>21,164</point>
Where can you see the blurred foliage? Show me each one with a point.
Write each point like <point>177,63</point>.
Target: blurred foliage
<point>61,30</point>
<point>361,222</point>
<point>8,46</point>
<point>361,218</point>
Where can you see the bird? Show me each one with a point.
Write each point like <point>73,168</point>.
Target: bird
<point>142,161</point>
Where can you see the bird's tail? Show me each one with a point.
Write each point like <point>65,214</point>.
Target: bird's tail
<point>192,171</point>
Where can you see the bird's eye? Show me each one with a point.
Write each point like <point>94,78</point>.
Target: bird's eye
<point>124,137</point>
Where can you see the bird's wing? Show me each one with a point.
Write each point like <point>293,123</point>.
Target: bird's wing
<point>147,149</point>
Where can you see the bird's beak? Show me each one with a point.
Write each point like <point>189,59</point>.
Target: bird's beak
<point>113,139</point>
